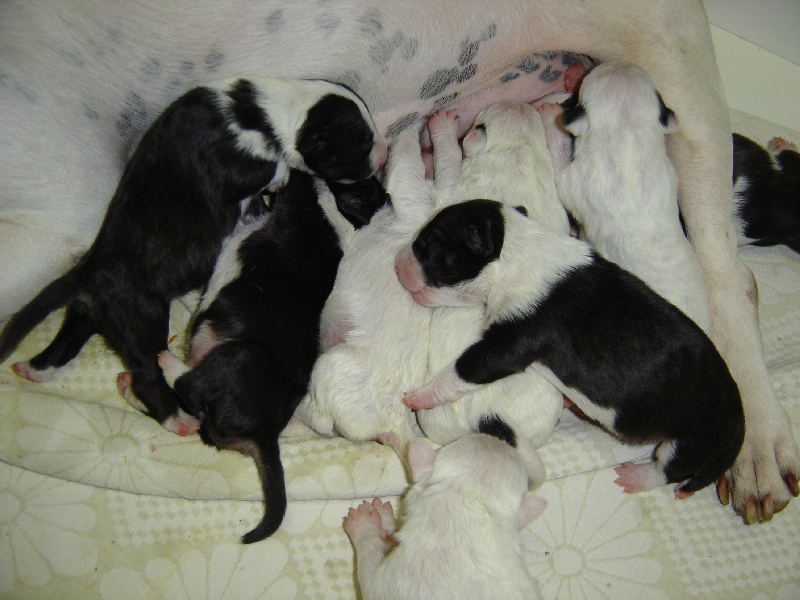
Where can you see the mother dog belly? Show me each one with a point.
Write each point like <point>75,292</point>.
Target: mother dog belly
<point>82,80</point>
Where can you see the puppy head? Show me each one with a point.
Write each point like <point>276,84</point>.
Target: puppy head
<point>502,124</point>
<point>359,201</point>
<point>492,471</point>
<point>614,95</point>
<point>450,250</point>
<point>338,139</point>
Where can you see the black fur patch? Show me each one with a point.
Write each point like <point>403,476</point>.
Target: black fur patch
<point>493,425</point>
<point>664,111</point>
<point>335,141</point>
<point>459,241</point>
<point>572,113</point>
<point>769,205</point>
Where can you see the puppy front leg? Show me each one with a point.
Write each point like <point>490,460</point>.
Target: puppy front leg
<point>443,127</point>
<point>405,175</point>
<point>501,352</point>
<point>446,387</point>
<point>364,527</point>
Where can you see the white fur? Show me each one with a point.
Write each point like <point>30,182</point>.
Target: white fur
<point>623,190</point>
<point>506,160</point>
<point>356,385</point>
<point>460,529</point>
<point>287,102</point>
<point>83,79</point>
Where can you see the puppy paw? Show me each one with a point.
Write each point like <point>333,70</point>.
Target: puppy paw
<point>420,400</point>
<point>633,478</point>
<point>171,366</point>
<point>124,383</point>
<point>24,369</point>
<point>777,144</point>
<point>386,513</point>
<point>364,522</point>
<point>765,475</point>
<point>443,122</point>
<point>182,424</point>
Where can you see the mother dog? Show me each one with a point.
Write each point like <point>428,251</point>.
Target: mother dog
<point>79,82</point>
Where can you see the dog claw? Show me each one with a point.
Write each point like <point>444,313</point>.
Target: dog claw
<point>751,511</point>
<point>792,484</point>
<point>724,490</point>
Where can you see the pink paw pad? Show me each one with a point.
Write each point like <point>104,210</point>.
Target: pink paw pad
<point>124,381</point>
<point>418,400</point>
<point>24,369</point>
<point>363,519</point>
<point>777,144</point>
<point>634,478</point>
<point>442,120</point>
<point>183,424</point>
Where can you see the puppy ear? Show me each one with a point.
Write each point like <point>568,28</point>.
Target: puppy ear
<point>474,141</point>
<point>420,458</point>
<point>667,117</point>
<point>574,120</point>
<point>530,507</point>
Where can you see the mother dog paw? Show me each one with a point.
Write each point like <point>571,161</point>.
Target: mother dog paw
<point>765,476</point>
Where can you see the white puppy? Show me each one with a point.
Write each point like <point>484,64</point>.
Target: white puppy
<point>621,185</point>
<point>506,159</point>
<point>374,336</point>
<point>460,533</point>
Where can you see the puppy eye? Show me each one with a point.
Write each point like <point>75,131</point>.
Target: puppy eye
<point>481,128</point>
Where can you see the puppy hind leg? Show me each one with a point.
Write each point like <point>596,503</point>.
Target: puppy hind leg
<point>76,330</point>
<point>136,326</point>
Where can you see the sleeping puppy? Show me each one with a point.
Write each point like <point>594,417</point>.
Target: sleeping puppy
<point>256,337</point>
<point>621,186</point>
<point>628,358</point>
<point>505,158</point>
<point>460,533</point>
<point>178,198</point>
<point>374,337</point>
<point>766,192</point>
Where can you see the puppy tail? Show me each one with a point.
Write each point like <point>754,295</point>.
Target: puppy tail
<point>712,470</point>
<point>55,295</point>
<point>266,453</point>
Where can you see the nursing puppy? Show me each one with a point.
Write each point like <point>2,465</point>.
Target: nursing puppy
<point>766,192</point>
<point>256,337</point>
<point>505,158</point>
<point>621,185</point>
<point>628,358</point>
<point>178,198</point>
<point>373,335</point>
<point>460,532</point>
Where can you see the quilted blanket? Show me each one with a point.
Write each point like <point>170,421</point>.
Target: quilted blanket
<point>98,501</point>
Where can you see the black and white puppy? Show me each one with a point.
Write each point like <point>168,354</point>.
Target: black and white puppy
<point>628,358</point>
<point>178,198</point>
<point>766,192</point>
<point>257,335</point>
